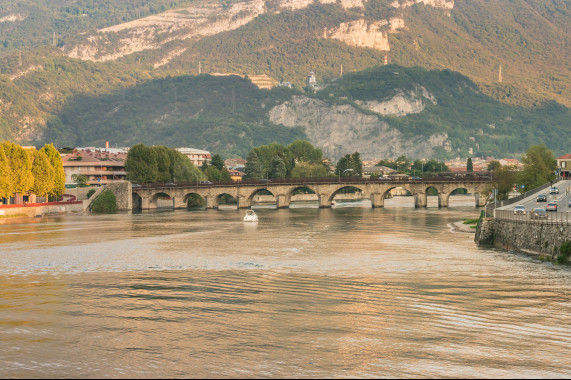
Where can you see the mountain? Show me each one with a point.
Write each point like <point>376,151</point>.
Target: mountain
<point>381,112</point>
<point>58,54</point>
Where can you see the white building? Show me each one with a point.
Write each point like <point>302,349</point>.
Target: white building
<point>196,156</point>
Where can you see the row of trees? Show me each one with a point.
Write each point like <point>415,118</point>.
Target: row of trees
<point>159,164</point>
<point>297,160</point>
<point>403,164</point>
<point>30,170</point>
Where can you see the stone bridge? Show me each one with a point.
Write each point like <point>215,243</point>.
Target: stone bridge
<point>145,196</point>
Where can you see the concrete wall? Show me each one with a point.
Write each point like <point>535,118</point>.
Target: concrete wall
<point>33,211</point>
<point>534,238</point>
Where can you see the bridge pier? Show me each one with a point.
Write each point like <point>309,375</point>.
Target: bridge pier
<point>443,199</point>
<point>146,204</point>
<point>324,201</point>
<point>210,202</point>
<point>282,201</point>
<point>242,202</point>
<point>377,200</point>
<point>480,200</point>
<point>420,200</point>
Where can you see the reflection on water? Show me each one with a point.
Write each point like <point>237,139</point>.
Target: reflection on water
<point>305,292</point>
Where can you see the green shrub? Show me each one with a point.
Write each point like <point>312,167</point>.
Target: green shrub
<point>471,221</point>
<point>564,252</point>
<point>90,193</point>
<point>105,202</point>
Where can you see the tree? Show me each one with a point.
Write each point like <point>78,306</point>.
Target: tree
<point>214,174</point>
<point>217,162</point>
<point>506,178</point>
<point>182,169</point>
<point>469,165</point>
<point>59,174</point>
<point>43,172</point>
<point>494,165</point>
<point>307,170</point>
<point>357,164</point>
<point>21,165</point>
<point>350,165</point>
<point>141,164</point>
<point>303,151</point>
<point>164,173</point>
<point>277,168</point>
<point>402,163</point>
<point>254,169</point>
<point>79,179</point>
<point>539,166</point>
<point>5,175</point>
<point>343,165</point>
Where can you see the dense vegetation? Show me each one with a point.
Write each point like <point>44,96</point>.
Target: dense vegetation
<point>229,115</point>
<point>105,202</point>
<point>539,168</point>
<point>222,114</point>
<point>24,170</point>
<point>299,159</point>
<point>160,164</point>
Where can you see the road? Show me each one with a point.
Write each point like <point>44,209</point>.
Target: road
<point>562,199</point>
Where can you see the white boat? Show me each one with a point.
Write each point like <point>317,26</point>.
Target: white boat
<point>250,216</point>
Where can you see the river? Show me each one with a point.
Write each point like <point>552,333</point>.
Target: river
<point>305,292</point>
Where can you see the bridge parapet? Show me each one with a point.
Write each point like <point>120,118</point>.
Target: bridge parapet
<point>282,190</point>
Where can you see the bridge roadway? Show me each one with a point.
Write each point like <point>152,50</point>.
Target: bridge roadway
<point>145,196</point>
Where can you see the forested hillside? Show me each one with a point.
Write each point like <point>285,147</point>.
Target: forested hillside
<point>229,115</point>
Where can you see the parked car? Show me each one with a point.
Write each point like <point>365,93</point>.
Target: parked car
<point>205,183</point>
<point>539,213</point>
<point>569,203</point>
<point>554,190</point>
<point>542,198</point>
<point>416,178</point>
<point>551,206</point>
<point>264,180</point>
<point>519,209</point>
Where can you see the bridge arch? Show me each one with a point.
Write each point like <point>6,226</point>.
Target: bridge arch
<point>344,189</point>
<point>162,199</point>
<point>194,200</point>
<point>265,192</point>
<point>304,192</point>
<point>225,199</point>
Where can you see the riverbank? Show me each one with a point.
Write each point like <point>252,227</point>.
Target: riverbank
<point>461,227</point>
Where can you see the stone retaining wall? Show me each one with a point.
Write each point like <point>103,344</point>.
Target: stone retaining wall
<point>534,238</point>
<point>123,194</point>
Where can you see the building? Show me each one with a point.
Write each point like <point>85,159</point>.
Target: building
<point>98,165</point>
<point>377,171</point>
<point>564,165</point>
<point>236,175</point>
<point>196,156</point>
<point>311,81</point>
<point>235,163</point>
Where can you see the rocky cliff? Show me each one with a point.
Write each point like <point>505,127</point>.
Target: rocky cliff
<point>157,31</point>
<point>342,128</point>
